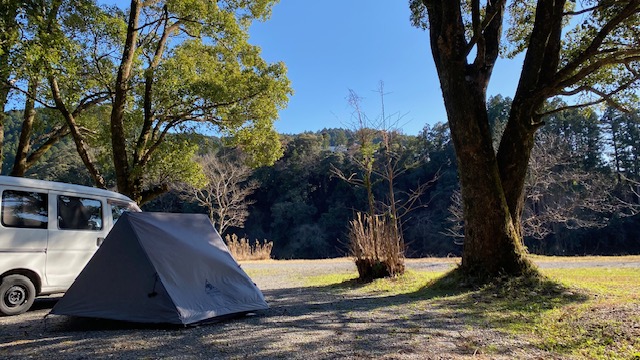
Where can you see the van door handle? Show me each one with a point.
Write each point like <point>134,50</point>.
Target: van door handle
<point>99,241</point>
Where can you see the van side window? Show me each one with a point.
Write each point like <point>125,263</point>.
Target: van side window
<point>75,213</point>
<point>24,209</point>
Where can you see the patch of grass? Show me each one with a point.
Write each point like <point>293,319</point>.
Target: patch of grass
<point>584,312</point>
<point>336,280</point>
<point>582,259</point>
<point>588,313</point>
<point>607,326</point>
<point>261,272</point>
<point>593,331</point>
<point>621,282</point>
<point>511,304</point>
<point>411,282</point>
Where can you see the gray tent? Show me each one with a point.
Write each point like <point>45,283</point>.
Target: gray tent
<point>161,268</point>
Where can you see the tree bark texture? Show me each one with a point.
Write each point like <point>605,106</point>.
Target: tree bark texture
<point>81,145</point>
<point>3,98</point>
<point>24,142</point>
<point>492,244</point>
<point>118,136</point>
<point>4,95</point>
<point>540,66</point>
<point>128,167</point>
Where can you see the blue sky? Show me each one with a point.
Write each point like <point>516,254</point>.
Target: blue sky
<point>332,46</point>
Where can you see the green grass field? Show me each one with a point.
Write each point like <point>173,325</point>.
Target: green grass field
<point>591,313</point>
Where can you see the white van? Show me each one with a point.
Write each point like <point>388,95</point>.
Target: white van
<point>48,233</point>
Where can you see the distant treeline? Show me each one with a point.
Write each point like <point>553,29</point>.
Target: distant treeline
<point>582,195</point>
<point>582,189</point>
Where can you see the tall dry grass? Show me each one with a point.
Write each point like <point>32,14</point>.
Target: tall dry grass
<point>376,247</point>
<point>242,249</point>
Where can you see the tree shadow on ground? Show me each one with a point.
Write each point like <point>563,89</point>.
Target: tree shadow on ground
<point>507,301</point>
<point>442,308</point>
<point>437,321</point>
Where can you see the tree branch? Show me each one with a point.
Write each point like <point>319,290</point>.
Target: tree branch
<point>592,49</point>
<point>11,85</point>
<point>480,27</point>
<point>586,10</point>
<point>620,57</point>
<point>81,145</point>
<point>53,138</point>
<point>89,101</point>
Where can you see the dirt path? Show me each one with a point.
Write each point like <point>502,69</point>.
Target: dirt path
<point>302,323</point>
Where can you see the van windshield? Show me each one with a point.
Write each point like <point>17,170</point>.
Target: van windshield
<point>118,208</point>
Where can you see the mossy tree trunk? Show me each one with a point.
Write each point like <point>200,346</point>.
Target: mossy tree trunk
<point>493,243</point>
<point>598,58</point>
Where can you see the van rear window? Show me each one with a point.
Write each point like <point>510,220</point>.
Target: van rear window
<point>25,209</point>
<point>75,213</point>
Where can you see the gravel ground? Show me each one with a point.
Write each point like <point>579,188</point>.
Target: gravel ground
<point>302,323</point>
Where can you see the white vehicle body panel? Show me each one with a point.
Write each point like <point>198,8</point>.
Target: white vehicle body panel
<point>55,253</point>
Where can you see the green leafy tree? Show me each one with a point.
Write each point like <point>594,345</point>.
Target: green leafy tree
<point>9,34</point>
<point>184,65</point>
<point>298,197</point>
<point>588,48</point>
<point>292,205</point>
<point>498,109</point>
<point>164,68</point>
<point>59,39</point>
<point>81,68</point>
<point>581,130</point>
<point>623,137</point>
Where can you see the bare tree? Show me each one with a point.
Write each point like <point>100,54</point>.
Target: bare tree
<point>376,238</point>
<point>455,219</point>
<point>559,193</point>
<point>226,191</point>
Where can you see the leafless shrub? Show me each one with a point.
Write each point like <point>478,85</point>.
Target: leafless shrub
<point>377,250</point>
<point>242,249</point>
<point>377,237</point>
<point>455,219</point>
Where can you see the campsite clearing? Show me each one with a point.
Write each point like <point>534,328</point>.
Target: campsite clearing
<point>316,312</point>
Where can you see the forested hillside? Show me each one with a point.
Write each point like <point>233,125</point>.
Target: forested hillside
<point>581,189</point>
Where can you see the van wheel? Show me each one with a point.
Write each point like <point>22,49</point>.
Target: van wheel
<point>17,293</point>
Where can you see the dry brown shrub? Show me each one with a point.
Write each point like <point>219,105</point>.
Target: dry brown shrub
<point>242,249</point>
<point>377,250</point>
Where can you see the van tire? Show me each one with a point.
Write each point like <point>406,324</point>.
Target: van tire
<point>18,293</point>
